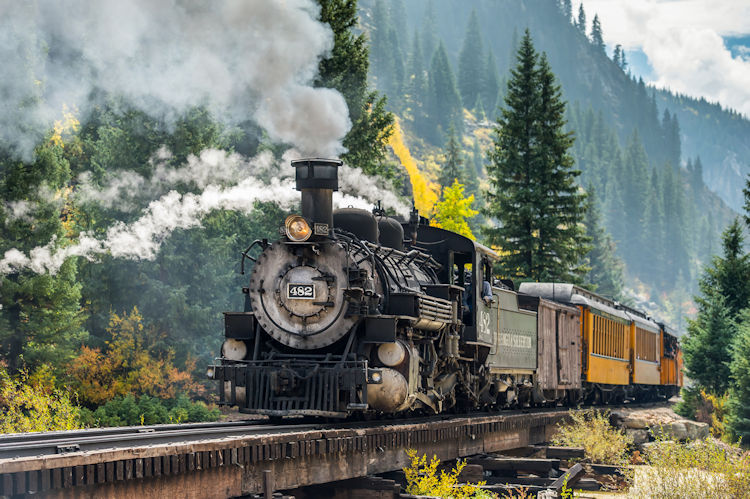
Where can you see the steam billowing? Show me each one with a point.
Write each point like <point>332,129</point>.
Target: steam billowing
<point>142,238</point>
<point>239,58</point>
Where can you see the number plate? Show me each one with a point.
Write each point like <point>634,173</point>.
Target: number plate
<point>300,291</point>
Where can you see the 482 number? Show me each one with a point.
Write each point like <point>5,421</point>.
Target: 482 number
<point>303,291</point>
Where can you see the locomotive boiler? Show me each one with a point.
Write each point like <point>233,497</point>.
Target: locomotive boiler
<point>351,311</point>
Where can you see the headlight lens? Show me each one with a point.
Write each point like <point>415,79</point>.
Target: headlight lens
<point>210,373</point>
<point>297,228</point>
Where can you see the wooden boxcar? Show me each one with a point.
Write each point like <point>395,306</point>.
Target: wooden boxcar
<point>559,345</point>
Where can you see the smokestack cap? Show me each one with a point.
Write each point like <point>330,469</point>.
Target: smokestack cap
<point>317,173</point>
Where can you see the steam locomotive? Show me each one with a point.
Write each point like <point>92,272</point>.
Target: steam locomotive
<point>353,312</point>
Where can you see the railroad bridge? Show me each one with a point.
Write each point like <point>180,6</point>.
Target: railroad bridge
<point>236,459</point>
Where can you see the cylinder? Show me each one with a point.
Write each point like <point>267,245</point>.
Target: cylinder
<point>317,178</point>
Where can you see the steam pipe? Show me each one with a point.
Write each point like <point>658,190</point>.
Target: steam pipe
<point>317,178</point>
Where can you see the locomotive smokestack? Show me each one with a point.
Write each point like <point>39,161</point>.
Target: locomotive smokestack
<point>317,178</point>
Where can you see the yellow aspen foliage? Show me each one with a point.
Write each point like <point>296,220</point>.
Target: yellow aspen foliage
<point>68,125</point>
<point>453,210</point>
<point>424,479</point>
<point>31,403</point>
<point>129,365</point>
<point>425,192</point>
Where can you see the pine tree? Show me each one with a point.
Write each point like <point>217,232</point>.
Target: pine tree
<point>429,32</point>
<point>452,170</point>
<point>470,62</point>
<point>695,175</point>
<point>729,275</point>
<point>490,85</point>
<point>707,343</point>
<point>471,179</point>
<point>379,38</point>
<point>652,264</point>
<point>614,208</point>
<point>346,71</point>
<point>453,210</point>
<point>398,21</point>
<point>416,87</point>
<point>445,103</point>
<point>746,191</point>
<point>395,76</point>
<point>477,158</point>
<point>532,181</point>
<point>512,51</point>
<point>725,293</point>
<point>581,23</point>
<point>738,419</point>
<point>41,318</point>
<point>671,134</point>
<point>634,179</point>
<point>606,274</point>
<point>618,56</point>
<point>596,34</point>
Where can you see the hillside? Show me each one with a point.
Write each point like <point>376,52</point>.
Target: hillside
<point>635,146</point>
<point>720,137</point>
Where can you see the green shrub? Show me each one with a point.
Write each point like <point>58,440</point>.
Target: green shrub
<point>701,468</point>
<point>591,430</point>
<point>691,400</point>
<point>703,406</point>
<point>129,411</point>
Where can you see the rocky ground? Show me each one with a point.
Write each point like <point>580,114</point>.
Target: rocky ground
<point>643,424</point>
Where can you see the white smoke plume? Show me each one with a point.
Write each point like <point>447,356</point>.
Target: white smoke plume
<point>240,58</point>
<point>217,167</point>
<point>141,239</point>
<point>210,167</point>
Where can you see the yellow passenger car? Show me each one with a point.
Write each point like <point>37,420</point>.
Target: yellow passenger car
<point>645,341</point>
<point>671,362</point>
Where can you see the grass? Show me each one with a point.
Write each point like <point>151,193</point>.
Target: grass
<point>698,469</point>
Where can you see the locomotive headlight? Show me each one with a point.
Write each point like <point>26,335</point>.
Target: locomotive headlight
<point>210,372</point>
<point>374,376</point>
<point>297,228</point>
<point>233,349</point>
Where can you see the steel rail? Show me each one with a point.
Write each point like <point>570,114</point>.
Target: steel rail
<point>39,444</point>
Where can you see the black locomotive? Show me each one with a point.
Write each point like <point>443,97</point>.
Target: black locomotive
<point>352,311</point>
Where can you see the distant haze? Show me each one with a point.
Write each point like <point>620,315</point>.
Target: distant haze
<point>684,41</point>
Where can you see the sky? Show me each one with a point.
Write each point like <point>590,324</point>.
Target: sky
<point>696,47</point>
